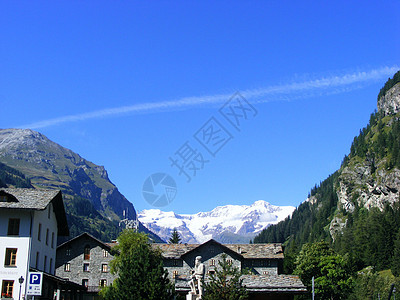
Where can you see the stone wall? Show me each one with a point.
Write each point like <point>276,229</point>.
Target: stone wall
<point>73,254</point>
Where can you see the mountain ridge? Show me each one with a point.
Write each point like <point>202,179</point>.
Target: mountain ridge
<point>93,203</point>
<point>51,165</point>
<point>226,224</point>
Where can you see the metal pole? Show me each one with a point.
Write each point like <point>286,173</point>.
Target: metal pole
<point>313,292</point>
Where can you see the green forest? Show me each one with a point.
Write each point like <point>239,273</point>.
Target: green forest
<point>10,177</point>
<point>367,248</point>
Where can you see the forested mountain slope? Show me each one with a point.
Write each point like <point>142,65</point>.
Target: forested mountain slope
<point>356,209</point>
<point>10,177</point>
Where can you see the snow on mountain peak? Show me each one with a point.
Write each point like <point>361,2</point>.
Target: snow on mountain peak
<point>228,224</point>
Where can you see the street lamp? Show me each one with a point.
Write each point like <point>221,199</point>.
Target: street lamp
<point>21,281</point>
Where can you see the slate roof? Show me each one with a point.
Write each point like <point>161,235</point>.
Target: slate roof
<point>257,250</point>
<point>273,283</point>
<point>83,235</point>
<point>248,251</point>
<point>257,283</point>
<point>35,199</point>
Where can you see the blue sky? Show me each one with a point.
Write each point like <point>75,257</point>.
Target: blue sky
<point>127,83</point>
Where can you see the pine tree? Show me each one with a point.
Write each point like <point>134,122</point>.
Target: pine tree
<point>175,237</point>
<point>396,256</point>
<point>226,283</point>
<point>140,271</point>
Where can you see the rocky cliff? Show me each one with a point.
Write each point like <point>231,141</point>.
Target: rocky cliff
<point>389,103</point>
<point>371,176</point>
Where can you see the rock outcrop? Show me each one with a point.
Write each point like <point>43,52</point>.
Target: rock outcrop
<point>389,103</point>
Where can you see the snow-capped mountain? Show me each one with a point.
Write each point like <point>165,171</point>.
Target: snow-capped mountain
<point>226,224</point>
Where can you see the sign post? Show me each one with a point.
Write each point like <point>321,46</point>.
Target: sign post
<point>35,282</point>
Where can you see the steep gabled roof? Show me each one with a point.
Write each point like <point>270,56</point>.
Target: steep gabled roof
<point>81,236</point>
<point>34,199</point>
<point>210,242</point>
<point>248,251</point>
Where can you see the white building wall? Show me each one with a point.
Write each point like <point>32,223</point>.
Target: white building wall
<point>27,244</point>
<point>21,243</point>
<point>48,250</point>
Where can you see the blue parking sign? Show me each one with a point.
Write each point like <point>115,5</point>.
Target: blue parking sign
<point>35,282</point>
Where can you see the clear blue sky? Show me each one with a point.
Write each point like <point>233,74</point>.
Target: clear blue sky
<point>126,83</point>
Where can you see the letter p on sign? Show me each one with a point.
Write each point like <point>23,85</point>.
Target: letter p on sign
<point>35,279</point>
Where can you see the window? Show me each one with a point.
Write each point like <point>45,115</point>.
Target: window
<point>39,236</point>
<point>85,282</point>
<point>52,240</point>
<point>103,282</point>
<point>7,288</point>
<point>37,260</point>
<point>3,198</point>
<point>11,257</point>
<point>229,261</point>
<point>47,236</point>
<point>104,268</point>
<point>68,252</point>
<point>265,273</point>
<point>45,263</point>
<point>174,274</point>
<point>175,262</point>
<point>13,227</point>
<point>86,253</point>
<point>67,267</point>
<point>105,253</point>
<point>51,266</point>
<point>212,262</point>
<point>85,267</point>
<point>211,272</point>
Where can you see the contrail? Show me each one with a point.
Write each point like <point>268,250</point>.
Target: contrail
<point>295,90</point>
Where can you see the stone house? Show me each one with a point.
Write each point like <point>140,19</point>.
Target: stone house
<point>85,260</point>
<point>263,260</point>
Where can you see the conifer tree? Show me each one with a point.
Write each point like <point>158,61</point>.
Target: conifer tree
<point>140,271</point>
<point>396,256</point>
<point>175,237</point>
<point>226,283</point>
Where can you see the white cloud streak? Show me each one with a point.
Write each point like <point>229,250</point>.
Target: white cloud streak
<point>326,85</point>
